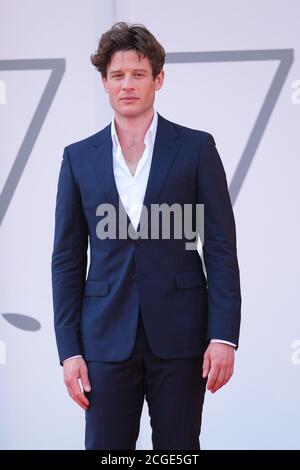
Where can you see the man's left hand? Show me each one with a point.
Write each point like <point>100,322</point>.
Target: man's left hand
<point>218,365</point>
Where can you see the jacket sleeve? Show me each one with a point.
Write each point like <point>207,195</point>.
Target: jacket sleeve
<point>219,246</point>
<point>69,262</point>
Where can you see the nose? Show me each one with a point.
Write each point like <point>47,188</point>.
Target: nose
<point>127,83</point>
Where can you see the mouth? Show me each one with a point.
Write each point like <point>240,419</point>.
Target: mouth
<point>129,98</point>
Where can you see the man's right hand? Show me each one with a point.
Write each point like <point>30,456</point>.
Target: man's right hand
<point>75,370</point>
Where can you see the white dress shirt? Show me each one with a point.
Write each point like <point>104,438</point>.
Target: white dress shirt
<point>132,188</point>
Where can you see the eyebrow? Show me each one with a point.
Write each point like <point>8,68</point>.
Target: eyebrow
<point>134,70</point>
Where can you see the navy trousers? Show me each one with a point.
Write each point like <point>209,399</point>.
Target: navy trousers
<point>174,390</point>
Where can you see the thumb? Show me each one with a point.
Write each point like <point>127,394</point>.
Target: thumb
<point>206,365</point>
<point>85,379</point>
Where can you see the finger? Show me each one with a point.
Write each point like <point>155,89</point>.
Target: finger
<point>84,407</point>
<point>219,381</point>
<point>85,379</point>
<point>228,375</point>
<point>78,396</point>
<point>79,402</point>
<point>206,365</point>
<point>73,396</point>
<point>213,374</point>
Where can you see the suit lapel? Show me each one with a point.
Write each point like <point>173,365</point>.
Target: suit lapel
<point>104,174</point>
<point>165,148</point>
<point>164,151</point>
<point>102,165</point>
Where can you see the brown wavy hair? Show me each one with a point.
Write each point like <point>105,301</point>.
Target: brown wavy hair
<point>126,36</point>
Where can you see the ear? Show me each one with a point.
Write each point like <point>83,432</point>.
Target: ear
<point>104,82</point>
<point>159,80</point>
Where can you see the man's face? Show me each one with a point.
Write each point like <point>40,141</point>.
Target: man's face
<point>130,83</point>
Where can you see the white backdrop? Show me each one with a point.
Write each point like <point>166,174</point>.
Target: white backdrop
<point>259,408</point>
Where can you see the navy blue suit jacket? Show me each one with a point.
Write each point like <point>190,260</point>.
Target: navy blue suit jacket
<point>182,309</point>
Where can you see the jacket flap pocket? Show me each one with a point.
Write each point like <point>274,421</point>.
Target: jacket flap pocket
<point>187,279</point>
<point>96,288</point>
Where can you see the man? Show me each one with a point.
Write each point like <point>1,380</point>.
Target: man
<point>146,322</point>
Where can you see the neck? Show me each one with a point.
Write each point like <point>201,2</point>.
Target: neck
<point>133,129</point>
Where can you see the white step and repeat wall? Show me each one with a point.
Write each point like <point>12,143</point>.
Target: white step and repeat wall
<point>233,70</point>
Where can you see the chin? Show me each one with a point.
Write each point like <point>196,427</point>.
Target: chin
<point>130,111</point>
